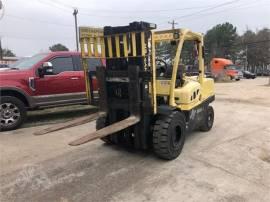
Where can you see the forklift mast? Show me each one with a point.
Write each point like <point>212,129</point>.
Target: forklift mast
<point>124,83</point>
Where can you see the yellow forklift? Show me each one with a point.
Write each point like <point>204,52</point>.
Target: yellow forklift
<point>146,101</point>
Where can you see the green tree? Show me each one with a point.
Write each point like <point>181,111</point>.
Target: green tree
<point>220,42</point>
<point>255,48</point>
<point>8,53</point>
<point>58,47</point>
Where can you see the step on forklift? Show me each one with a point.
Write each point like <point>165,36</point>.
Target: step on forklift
<point>146,101</point>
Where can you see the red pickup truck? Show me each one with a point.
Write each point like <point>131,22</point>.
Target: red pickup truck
<point>42,81</point>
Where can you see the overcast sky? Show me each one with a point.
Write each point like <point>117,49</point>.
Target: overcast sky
<point>31,26</point>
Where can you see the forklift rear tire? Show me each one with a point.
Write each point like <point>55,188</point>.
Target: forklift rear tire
<point>101,123</point>
<point>169,135</point>
<point>209,119</point>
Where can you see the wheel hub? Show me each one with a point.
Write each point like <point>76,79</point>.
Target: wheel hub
<point>7,114</point>
<point>10,114</point>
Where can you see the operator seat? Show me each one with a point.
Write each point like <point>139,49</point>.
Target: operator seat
<point>179,76</point>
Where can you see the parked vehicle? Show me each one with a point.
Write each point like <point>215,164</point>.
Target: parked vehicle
<point>222,68</point>
<point>234,72</point>
<point>249,75</point>
<point>3,67</point>
<point>42,81</point>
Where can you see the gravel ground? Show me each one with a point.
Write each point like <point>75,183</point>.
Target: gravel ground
<point>229,163</point>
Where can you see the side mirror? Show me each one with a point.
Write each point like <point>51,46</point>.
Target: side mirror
<point>45,69</point>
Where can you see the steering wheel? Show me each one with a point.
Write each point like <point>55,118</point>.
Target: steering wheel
<point>161,67</point>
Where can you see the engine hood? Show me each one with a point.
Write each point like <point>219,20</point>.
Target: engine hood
<point>14,74</point>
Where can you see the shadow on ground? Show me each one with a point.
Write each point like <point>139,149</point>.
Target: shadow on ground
<point>57,115</point>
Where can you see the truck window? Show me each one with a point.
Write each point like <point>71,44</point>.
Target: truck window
<point>93,63</point>
<point>77,63</point>
<point>62,64</point>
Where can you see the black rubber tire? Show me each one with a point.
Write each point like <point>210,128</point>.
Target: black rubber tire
<point>209,119</point>
<point>22,109</point>
<point>101,123</point>
<point>169,135</point>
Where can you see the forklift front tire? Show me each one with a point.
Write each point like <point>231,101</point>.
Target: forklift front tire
<point>169,135</point>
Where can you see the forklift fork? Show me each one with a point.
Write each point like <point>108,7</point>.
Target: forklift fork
<point>113,128</point>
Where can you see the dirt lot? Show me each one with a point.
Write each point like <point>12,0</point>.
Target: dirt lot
<point>229,163</point>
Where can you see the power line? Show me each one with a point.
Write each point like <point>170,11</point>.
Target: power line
<point>36,20</point>
<point>60,24</point>
<point>15,36</point>
<point>2,9</point>
<point>213,7</point>
<point>62,5</point>
<point>126,11</point>
<point>1,50</point>
<point>239,7</point>
<point>201,15</point>
<point>54,5</point>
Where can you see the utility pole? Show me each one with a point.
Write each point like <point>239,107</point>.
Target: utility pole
<point>1,51</point>
<point>1,16</point>
<point>173,23</point>
<point>2,10</point>
<point>246,62</point>
<point>75,12</point>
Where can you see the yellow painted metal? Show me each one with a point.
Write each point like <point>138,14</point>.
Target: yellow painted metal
<point>174,72</point>
<point>95,46</point>
<point>90,32</point>
<point>102,43</point>
<point>109,41</point>
<point>117,45</point>
<point>143,43</point>
<point>125,45</point>
<point>82,42</point>
<point>201,61</point>
<point>87,82</point>
<point>89,47</point>
<point>163,37</point>
<point>89,39</point>
<point>153,70</point>
<point>184,96</point>
<point>133,38</point>
<point>207,88</point>
<point>163,87</point>
<point>195,89</point>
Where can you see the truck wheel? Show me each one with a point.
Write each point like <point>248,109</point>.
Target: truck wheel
<point>101,123</point>
<point>209,119</point>
<point>169,135</point>
<point>13,113</point>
